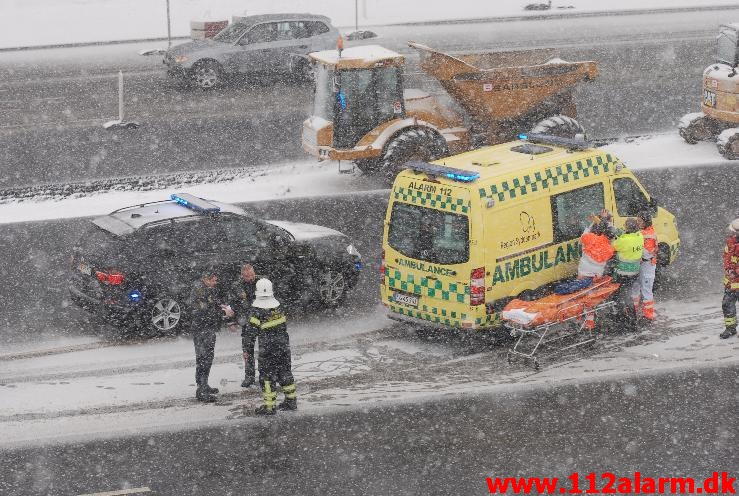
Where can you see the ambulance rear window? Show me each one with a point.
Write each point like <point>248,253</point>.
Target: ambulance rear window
<point>429,235</point>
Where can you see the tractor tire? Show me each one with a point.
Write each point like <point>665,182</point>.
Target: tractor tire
<point>697,126</point>
<point>559,125</point>
<point>728,143</point>
<point>420,143</point>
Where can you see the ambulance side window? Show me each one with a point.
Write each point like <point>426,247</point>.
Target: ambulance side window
<point>630,199</point>
<point>570,211</point>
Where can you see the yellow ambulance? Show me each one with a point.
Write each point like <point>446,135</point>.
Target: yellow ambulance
<point>465,234</point>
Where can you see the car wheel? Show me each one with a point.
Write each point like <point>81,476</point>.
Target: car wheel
<point>207,75</point>
<point>332,287</point>
<point>165,315</point>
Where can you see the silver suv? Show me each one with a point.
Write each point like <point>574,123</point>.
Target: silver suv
<point>271,44</point>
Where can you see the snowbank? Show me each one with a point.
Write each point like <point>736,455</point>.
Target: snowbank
<point>310,178</point>
<point>48,22</point>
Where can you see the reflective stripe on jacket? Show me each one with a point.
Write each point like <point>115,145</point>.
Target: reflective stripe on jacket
<point>731,263</point>
<point>629,248</point>
<point>650,244</point>
<point>272,319</point>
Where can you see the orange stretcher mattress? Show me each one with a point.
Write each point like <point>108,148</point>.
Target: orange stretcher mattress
<point>559,307</point>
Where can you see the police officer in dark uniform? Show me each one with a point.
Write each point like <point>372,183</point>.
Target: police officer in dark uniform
<point>268,320</point>
<point>207,317</point>
<point>241,297</point>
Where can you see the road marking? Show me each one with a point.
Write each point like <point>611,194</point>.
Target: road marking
<point>135,490</point>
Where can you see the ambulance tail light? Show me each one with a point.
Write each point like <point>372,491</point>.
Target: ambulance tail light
<point>382,268</point>
<point>477,286</point>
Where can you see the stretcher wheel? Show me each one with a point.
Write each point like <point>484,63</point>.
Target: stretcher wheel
<point>508,357</point>
<point>536,363</point>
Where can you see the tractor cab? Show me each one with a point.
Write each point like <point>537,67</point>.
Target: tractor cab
<point>727,46</point>
<point>357,89</point>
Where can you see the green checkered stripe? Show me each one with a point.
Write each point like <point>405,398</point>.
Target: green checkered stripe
<point>442,202</point>
<point>443,317</point>
<point>552,176</point>
<point>432,314</point>
<point>427,287</point>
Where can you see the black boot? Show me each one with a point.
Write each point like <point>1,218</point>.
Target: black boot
<point>248,380</point>
<point>202,394</point>
<point>730,331</point>
<point>211,390</point>
<point>290,404</point>
<point>265,410</point>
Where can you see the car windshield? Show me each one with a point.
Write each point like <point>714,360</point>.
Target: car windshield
<point>232,33</point>
<point>430,235</point>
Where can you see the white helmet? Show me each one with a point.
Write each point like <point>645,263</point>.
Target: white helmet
<point>734,226</point>
<point>264,296</point>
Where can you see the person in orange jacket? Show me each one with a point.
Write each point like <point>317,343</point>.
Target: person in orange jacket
<point>642,290</point>
<point>731,280</point>
<point>596,247</point>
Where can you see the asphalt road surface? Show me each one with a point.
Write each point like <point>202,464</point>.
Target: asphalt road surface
<point>53,102</point>
<point>34,257</point>
<point>681,424</point>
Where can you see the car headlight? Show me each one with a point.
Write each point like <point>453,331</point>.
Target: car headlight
<point>180,59</point>
<point>353,251</point>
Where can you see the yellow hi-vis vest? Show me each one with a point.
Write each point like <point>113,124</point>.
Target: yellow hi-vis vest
<point>629,248</point>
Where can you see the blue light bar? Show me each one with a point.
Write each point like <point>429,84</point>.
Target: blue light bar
<point>194,203</point>
<point>135,296</point>
<point>549,139</point>
<point>442,170</point>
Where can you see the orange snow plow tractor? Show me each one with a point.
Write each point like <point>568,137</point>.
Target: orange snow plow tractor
<point>556,317</point>
<point>719,116</point>
<point>362,112</point>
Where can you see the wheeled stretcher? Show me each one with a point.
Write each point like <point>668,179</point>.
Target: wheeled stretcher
<point>553,318</point>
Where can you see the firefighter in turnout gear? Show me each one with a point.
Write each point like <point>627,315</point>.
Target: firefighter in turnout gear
<point>268,321</point>
<point>241,297</point>
<point>641,291</point>
<point>731,280</point>
<point>629,248</point>
<point>207,318</point>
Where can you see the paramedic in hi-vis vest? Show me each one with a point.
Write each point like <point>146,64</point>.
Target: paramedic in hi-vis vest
<point>629,247</point>
<point>641,290</point>
<point>731,280</point>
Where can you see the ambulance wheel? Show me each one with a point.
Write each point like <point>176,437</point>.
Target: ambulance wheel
<point>728,143</point>
<point>697,126</point>
<point>559,125</point>
<point>422,144</point>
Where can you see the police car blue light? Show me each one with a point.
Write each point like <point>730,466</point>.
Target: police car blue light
<point>135,295</point>
<point>194,203</point>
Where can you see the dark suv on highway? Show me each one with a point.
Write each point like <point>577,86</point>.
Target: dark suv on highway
<point>138,264</point>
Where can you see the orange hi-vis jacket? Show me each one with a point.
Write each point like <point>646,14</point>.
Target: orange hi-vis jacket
<point>731,263</point>
<point>650,245</point>
<point>596,252</point>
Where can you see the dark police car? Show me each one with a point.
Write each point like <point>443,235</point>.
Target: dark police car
<point>138,264</point>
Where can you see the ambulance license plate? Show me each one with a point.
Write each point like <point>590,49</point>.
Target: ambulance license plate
<point>406,299</point>
<point>709,98</point>
<point>84,268</point>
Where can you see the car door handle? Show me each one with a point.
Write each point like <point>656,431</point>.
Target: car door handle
<point>303,46</point>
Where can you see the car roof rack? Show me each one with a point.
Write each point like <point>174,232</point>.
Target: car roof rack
<point>452,173</point>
